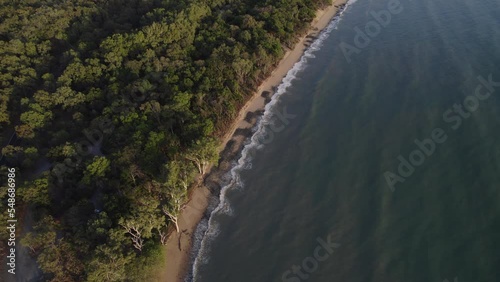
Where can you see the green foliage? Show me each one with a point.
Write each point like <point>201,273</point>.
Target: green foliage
<point>96,169</point>
<point>108,265</point>
<point>44,234</point>
<point>36,192</point>
<point>203,153</point>
<point>60,262</point>
<point>148,267</point>
<point>125,102</point>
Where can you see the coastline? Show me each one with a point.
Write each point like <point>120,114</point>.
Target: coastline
<point>178,246</point>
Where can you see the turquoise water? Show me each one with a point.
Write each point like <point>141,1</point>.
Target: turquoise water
<point>322,177</point>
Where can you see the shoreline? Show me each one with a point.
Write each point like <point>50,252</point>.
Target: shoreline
<point>178,246</point>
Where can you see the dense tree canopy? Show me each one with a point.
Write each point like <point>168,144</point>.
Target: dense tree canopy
<point>109,110</point>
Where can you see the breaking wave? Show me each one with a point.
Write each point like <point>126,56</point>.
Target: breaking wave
<point>208,228</point>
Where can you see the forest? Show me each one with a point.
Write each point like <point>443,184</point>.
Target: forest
<point>110,110</point>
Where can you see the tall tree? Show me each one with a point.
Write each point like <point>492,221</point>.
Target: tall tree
<point>203,153</point>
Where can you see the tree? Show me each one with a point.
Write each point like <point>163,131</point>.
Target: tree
<point>143,219</point>
<point>149,77</point>
<point>203,153</point>
<point>44,233</point>
<point>108,264</point>
<point>242,68</point>
<point>135,229</point>
<point>153,107</point>
<point>37,117</point>
<point>179,174</point>
<point>37,191</point>
<point>25,131</point>
<point>172,210</point>
<point>163,235</point>
<point>55,257</point>
<point>61,261</point>
<point>97,169</point>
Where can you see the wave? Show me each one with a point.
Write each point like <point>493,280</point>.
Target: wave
<point>208,229</point>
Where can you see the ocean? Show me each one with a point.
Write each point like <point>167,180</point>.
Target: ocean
<point>377,159</point>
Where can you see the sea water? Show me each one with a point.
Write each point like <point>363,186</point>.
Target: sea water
<point>388,168</point>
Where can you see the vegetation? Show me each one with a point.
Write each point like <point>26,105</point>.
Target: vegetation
<point>111,109</point>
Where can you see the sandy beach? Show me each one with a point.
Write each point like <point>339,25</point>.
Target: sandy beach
<point>178,247</point>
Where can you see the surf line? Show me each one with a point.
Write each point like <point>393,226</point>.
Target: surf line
<point>208,229</point>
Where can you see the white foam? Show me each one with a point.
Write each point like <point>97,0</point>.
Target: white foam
<point>209,229</point>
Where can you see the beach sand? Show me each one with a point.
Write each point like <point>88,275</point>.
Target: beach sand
<point>178,247</point>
